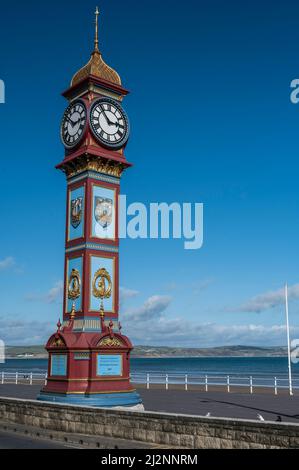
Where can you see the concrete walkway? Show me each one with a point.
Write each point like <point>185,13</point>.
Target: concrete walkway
<point>218,404</point>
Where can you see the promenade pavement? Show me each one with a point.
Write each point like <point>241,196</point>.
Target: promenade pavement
<point>217,403</point>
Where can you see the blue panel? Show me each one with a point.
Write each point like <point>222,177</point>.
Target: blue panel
<point>76,213</point>
<point>103,213</point>
<point>98,262</point>
<point>109,364</point>
<point>74,263</point>
<point>58,364</point>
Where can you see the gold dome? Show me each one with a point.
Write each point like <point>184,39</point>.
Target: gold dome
<point>96,65</point>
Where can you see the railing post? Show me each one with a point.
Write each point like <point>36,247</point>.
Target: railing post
<point>206,382</point>
<point>186,382</point>
<point>228,387</point>
<point>275,385</point>
<point>30,378</point>
<point>17,378</point>
<point>2,378</point>
<point>166,382</point>
<point>46,376</point>
<point>251,385</point>
<point>147,381</point>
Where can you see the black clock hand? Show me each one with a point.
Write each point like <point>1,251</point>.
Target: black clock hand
<point>106,117</point>
<point>110,123</point>
<point>73,124</point>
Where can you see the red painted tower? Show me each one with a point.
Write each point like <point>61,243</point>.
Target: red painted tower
<point>88,355</point>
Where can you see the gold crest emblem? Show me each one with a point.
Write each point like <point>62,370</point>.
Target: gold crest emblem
<point>74,285</point>
<point>102,284</point>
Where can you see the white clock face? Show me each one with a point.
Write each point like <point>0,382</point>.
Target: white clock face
<point>109,123</point>
<point>73,124</point>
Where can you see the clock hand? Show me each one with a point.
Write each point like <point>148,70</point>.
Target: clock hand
<point>72,123</point>
<point>110,123</point>
<point>106,117</point>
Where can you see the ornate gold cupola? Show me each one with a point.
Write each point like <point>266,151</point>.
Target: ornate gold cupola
<point>96,66</point>
<point>96,76</point>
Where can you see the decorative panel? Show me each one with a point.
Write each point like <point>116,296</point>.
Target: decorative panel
<point>103,213</point>
<point>76,213</point>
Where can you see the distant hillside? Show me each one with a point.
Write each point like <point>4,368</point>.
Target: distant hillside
<point>223,351</point>
<point>31,352</point>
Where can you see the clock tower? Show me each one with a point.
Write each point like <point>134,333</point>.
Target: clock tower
<point>89,357</point>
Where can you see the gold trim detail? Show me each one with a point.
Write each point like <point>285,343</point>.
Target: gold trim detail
<point>97,393</point>
<point>96,164</point>
<point>57,343</point>
<point>74,285</point>
<point>110,342</point>
<point>66,282</point>
<point>99,288</point>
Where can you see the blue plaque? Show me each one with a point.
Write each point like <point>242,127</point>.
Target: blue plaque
<point>58,364</point>
<point>109,364</point>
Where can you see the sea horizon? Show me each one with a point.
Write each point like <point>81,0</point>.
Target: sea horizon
<point>243,365</point>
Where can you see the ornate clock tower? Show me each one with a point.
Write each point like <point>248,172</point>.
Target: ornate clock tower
<point>88,355</point>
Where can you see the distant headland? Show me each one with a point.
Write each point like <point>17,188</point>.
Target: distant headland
<point>38,352</point>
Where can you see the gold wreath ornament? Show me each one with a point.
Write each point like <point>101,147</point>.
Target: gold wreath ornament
<point>102,284</point>
<point>74,285</point>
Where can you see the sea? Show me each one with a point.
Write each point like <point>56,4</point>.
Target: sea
<point>193,366</point>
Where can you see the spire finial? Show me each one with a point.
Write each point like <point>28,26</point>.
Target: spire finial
<point>96,38</point>
<point>73,312</point>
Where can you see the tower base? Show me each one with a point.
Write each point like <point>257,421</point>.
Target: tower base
<point>126,400</point>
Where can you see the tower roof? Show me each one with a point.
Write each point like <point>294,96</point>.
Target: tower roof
<point>96,65</point>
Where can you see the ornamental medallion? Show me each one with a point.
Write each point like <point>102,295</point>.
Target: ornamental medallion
<point>74,285</point>
<point>102,284</point>
<point>76,211</point>
<point>103,211</point>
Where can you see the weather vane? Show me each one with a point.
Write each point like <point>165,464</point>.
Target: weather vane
<point>96,39</point>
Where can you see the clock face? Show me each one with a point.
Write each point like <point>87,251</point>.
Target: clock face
<point>73,124</point>
<point>109,123</point>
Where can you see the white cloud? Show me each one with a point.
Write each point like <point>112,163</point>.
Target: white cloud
<point>125,293</point>
<point>54,294</point>
<point>153,307</point>
<point>6,263</point>
<point>181,333</point>
<point>175,332</point>
<point>18,332</point>
<point>268,300</point>
<point>149,325</point>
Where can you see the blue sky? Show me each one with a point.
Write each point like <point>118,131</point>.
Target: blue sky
<point>212,122</point>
